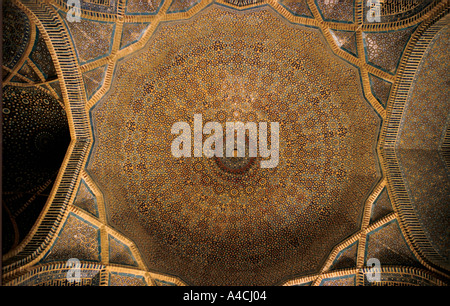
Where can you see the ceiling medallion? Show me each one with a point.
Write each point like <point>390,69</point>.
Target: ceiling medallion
<point>235,165</point>
<point>228,216</point>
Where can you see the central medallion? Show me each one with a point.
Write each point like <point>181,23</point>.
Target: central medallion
<point>235,164</point>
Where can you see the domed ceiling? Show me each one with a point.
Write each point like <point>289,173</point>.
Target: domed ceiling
<point>363,162</point>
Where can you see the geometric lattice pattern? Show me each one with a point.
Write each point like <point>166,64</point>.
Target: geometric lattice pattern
<point>85,199</point>
<point>92,39</point>
<point>392,42</point>
<point>346,258</point>
<point>131,33</point>
<point>380,89</point>
<point>298,8</point>
<point>398,251</point>
<point>124,279</point>
<point>178,6</point>
<point>340,11</point>
<point>346,40</point>
<point>93,80</point>
<point>77,239</point>
<point>119,253</point>
<point>381,207</point>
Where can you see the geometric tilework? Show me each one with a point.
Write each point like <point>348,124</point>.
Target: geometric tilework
<point>131,33</point>
<point>340,11</point>
<point>119,253</point>
<point>346,280</point>
<point>380,89</point>
<point>17,79</point>
<point>57,88</point>
<point>29,73</point>
<point>381,207</point>
<point>85,199</point>
<point>396,10</point>
<point>93,80</point>
<point>77,239</point>
<point>164,93</point>
<point>101,6</point>
<point>126,279</point>
<point>242,2</point>
<point>178,6</point>
<point>92,39</point>
<point>387,244</point>
<point>101,2</point>
<point>346,258</point>
<point>159,282</point>
<point>297,7</point>
<point>149,7</point>
<point>377,44</point>
<point>16,34</point>
<point>35,139</point>
<point>346,40</point>
<point>41,57</point>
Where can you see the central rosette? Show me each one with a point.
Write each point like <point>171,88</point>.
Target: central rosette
<point>226,220</point>
<point>235,164</point>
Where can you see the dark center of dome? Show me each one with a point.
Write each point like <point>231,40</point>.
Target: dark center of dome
<point>234,164</point>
